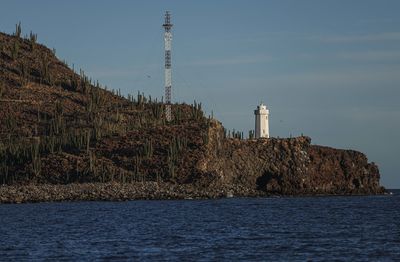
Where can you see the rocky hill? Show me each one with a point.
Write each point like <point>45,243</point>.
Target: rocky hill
<point>60,129</point>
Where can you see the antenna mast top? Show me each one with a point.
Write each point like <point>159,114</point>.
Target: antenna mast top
<point>167,24</point>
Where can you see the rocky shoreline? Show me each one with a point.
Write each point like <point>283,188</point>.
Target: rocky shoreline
<point>130,191</point>
<point>114,192</point>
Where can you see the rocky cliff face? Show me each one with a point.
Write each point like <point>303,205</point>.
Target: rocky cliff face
<point>289,166</point>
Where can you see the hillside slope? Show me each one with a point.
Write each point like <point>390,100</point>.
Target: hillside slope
<point>58,127</point>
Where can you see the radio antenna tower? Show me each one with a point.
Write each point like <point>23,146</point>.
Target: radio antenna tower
<point>168,76</point>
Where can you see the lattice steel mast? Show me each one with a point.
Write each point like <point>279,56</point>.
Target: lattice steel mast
<point>168,76</point>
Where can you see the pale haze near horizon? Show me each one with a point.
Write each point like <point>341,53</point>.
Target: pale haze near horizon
<point>326,69</point>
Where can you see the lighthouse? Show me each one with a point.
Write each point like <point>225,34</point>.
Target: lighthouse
<point>262,121</point>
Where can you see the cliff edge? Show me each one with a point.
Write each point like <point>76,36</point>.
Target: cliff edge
<point>290,166</point>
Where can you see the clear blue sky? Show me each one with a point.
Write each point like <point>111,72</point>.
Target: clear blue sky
<point>327,69</point>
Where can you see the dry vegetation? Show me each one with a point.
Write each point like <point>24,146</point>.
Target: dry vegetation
<point>57,126</point>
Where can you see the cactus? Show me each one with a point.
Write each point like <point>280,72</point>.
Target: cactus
<point>197,112</point>
<point>57,124</point>
<point>45,76</point>
<point>206,138</point>
<point>87,141</point>
<point>24,73</point>
<point>18,30</point>
<point>136,164</point>
<point>15,50</point>
<point>36,162</point>
<point>178,115</point>
<point>171,169</point>
<point>148,148</point>
<point>251,134</point>
<point>92,161</point>
<point>2,88</point>
<point>32,40</point>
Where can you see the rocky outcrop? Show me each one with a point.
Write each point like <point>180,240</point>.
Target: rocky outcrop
<point>290,166</point>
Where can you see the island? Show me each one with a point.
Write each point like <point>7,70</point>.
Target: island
<point>65,137</point>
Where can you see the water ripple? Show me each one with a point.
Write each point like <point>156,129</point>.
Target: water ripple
<point>305,228</point>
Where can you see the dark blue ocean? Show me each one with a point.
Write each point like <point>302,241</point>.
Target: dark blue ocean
<point>250,229</point>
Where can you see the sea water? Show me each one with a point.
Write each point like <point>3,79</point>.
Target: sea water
<point>356,228</point>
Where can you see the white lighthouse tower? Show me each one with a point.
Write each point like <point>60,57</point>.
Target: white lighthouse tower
<point>262,121</point>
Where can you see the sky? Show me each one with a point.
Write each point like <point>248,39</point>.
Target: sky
<point>326,69</point>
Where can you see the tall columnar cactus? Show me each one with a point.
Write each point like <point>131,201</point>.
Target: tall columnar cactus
<point>251,134</point>
<point>32,40</point>
<point>36,161</point>
<point>197,112</point>
<point>148,148</point>
<point>24,73</point>
<point>15,50</point>
<point>2,87</point>
<point>171,169</point>
<point>45,76</point>
<point>136,163</point>
<point>18,30</point>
